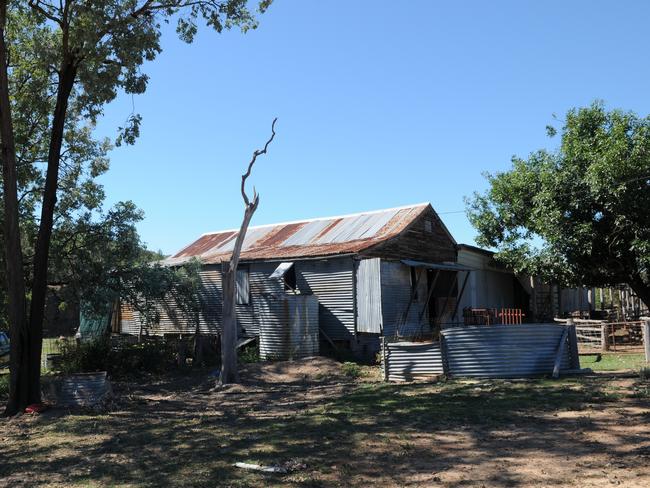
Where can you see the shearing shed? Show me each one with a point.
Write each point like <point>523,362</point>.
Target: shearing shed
<point>372,274</point>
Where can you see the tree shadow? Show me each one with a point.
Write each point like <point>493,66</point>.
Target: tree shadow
<point>353,435</point>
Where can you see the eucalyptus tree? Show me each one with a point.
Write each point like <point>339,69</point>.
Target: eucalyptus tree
<point>578,215</point>
<point>61,62</point>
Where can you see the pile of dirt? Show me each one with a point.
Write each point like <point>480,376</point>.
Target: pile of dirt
<point>315,369</point>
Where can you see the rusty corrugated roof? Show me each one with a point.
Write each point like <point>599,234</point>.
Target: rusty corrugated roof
<point>329,236</point>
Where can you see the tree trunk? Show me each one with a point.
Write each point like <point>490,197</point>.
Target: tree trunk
<point>19,364</point>
<point>229,373</point>
<point>42,249</point>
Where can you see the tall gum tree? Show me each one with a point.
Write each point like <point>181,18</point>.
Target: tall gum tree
<point>578,215</point>
<point>78,55</point>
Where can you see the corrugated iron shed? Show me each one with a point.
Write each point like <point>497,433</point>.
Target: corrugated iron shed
<point>329,236</point>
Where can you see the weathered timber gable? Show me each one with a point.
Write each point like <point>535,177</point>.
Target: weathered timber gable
<point>426,239</point>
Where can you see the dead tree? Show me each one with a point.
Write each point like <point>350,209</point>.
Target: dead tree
<point>229,372</point>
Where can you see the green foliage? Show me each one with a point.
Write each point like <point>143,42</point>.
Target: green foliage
<point>352,370</point>
<point>123,360</point>
<point>187,291</point>
<point>249,354</point>
<point>107,43</point>
<point>84,357</point>
<point>577,215</point>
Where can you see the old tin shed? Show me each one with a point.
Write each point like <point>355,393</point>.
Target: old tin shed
<point>385,272</point>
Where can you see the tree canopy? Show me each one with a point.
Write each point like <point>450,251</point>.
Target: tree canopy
<point>578,215</point>
<point>61,62</point>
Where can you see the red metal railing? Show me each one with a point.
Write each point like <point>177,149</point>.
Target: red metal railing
<point>491,316</point>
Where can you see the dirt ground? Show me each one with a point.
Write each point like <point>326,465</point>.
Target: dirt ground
<point>326,428</point>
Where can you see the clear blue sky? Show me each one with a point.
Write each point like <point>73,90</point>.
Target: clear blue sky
<point>380,104</point>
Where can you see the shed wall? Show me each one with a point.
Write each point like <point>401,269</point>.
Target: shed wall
<point>332,281</point>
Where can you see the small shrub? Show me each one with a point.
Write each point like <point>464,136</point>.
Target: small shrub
<point>120,360</point>
<point>84,357</point>
<point>644,373</point>
<point>351,370</point>
<point>250,354</point>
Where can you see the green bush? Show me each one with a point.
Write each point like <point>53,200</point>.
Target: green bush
<point>84,356</point>
<point>250,354</point>
<point>121,360</point>
<point>352,370</point>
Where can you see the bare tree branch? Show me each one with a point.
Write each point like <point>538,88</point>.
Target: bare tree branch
<point>250,167</point>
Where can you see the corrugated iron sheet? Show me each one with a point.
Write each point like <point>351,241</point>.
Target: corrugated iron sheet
<point>288,327</point>
<point>332,281</point>
<point>406,361</point>
<point>504,351</point>
<point>81,390</point>
<point>318,237</point>
<point>369,318</point>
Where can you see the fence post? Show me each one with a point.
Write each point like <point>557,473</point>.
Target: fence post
<point>646,339</point>
<point>383,357</point>
<point>604,340</point>
<point>574,354</point>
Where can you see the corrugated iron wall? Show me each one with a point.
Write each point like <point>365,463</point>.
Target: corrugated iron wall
<point>332,281</point>
<point>173,322</point>
<point>395,296</point>
<point>405,361</point>
<point>289,326</point>
<point>499,351</point>
<point>504,351</point>
<point>369,316</point>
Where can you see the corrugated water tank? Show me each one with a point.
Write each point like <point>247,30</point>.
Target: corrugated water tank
<point>288,326</point>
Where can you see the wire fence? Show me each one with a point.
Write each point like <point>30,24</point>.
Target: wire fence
<point>596,336</point>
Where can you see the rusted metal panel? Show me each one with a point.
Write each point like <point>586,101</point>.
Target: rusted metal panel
<point>406,361</point>
<point>504,351</point>
<point>319,237</point>
<point>288,326</point>
<point>369,315</point>
<point>332,281</point>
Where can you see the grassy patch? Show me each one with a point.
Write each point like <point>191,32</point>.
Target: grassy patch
<point>612,361</point>
<point>351,370</point>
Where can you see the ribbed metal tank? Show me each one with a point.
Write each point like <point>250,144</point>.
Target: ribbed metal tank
<point>288,326</point>
<point>504,351</point>
<point>406,361</point>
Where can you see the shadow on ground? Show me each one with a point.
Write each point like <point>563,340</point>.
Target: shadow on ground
<point>183,432</point>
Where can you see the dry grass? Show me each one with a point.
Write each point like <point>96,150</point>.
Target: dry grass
<point>332,430</point>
